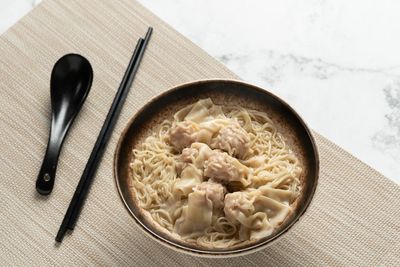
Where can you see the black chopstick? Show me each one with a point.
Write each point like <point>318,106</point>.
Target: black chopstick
<point>82,189</point>
<point>132,69</point>
<point>103,137</point>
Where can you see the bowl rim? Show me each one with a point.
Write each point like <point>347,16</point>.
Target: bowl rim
<point>207,253</point>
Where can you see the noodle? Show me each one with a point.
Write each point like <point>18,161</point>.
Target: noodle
<point>271,175</point>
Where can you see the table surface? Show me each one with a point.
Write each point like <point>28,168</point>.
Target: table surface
<point>335,62</point>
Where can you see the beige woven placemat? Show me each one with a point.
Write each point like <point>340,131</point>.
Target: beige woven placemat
<point>353,220</point>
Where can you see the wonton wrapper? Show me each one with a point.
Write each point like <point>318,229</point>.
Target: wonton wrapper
<point>258,211</point>
<point>208,117</point>
<point>190,177</point>
<point>202,110</point>
<point>196,215</point>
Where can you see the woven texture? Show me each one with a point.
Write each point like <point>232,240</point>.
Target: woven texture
<point>353,220</point>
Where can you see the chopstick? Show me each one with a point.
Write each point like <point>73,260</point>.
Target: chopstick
<point>132,69</point>
<point>82,189</point>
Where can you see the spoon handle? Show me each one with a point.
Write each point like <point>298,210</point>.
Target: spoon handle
<point>47,173</point>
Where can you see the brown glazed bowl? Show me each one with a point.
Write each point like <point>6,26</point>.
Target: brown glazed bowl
<point>230,92</point>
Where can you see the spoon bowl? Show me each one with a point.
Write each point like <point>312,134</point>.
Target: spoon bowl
<point>70,83</point>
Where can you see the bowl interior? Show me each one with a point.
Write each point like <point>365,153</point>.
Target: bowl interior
<point>221,92</point>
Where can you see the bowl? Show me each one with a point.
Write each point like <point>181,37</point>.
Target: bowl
<point>220,91</point>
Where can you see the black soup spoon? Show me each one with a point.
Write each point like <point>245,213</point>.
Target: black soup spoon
<point>70,84</point>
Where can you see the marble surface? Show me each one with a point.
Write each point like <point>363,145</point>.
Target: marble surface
<point>335,61</point>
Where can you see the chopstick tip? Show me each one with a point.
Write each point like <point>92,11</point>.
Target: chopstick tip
<point>149,31</point>
<point>60,235</point>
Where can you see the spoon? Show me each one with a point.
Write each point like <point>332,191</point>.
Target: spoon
<point>70,84</point>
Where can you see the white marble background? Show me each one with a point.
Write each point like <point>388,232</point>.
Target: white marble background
<point>336,61</point>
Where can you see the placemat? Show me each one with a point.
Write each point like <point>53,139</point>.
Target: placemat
<point>353,220</point>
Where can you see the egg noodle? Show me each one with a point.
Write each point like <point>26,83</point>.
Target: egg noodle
<point>257,204</point>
